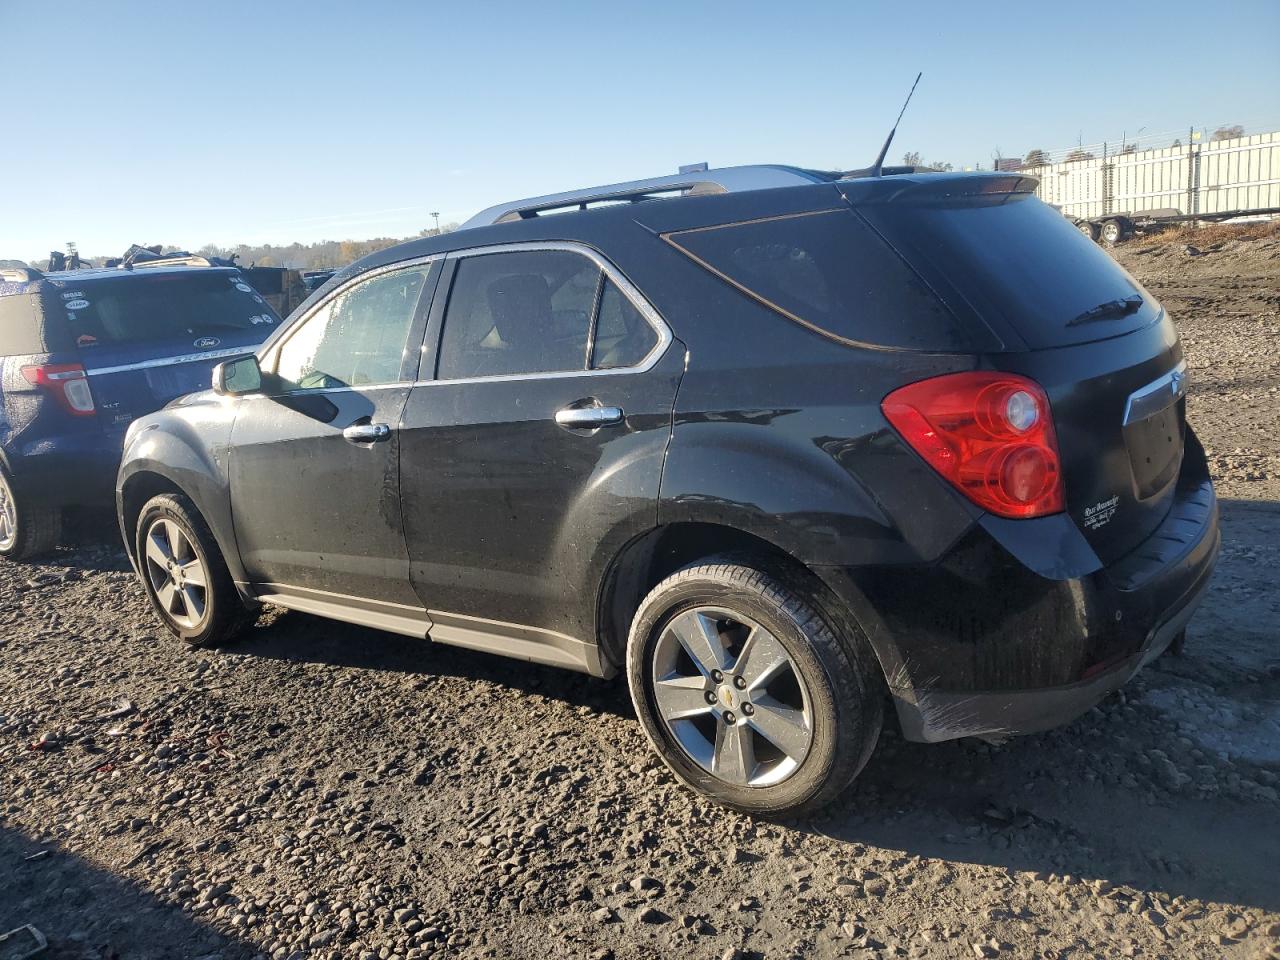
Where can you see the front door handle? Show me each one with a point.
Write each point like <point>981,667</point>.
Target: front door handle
<point>367,432</point>
<point>588,417</point>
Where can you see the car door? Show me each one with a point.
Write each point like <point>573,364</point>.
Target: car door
<point>532,448</point>
<point>315,459</point>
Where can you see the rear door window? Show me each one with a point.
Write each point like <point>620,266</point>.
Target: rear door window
<point>831,273</point>
<point>623,337</point>
<point>527,311</point>
<point>164,307</point>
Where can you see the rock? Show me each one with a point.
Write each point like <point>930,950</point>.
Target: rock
<point>603,915</point>
<point>644,882</point>
<point>652,915</point>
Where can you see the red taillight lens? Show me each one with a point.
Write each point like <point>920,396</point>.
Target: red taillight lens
<point>989,434</point>
<point>68,383</point>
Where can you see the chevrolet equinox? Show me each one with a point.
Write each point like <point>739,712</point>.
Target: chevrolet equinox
<point>781,446</point>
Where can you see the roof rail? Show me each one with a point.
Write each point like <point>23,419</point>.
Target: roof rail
<point>689,183</point>
<point>186,259</point>
<point>19,274</point>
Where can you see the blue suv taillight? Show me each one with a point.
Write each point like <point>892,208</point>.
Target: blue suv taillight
<point>67,383</point>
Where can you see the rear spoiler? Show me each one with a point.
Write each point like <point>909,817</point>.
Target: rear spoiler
<point>935,186</point>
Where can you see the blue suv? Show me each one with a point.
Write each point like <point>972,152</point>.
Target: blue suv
<point>83,353</point>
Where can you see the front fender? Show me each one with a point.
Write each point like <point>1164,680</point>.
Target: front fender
<point>187,448</point>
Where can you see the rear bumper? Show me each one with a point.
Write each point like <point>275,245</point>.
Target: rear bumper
<point>67,471</point>
<point>994,641</point>
<point>932,715</point>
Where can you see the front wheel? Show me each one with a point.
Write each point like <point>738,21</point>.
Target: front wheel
<point>183,572</point>
<point>747,693</point>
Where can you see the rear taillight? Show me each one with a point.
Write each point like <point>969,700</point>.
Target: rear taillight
<point>68,383</point>
<point>989,434</point>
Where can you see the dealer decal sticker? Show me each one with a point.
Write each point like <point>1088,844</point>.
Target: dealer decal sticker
<point>1101,512</point>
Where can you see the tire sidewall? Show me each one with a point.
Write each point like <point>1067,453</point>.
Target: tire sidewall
<point>825,696</point>
<point>15,550</point>
<point>168,508</point>
<point>36,525</point>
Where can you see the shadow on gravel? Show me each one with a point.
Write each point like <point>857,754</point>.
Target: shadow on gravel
<point>944,801</point>
<point>92,541</point>
<point>86,912</point>
<point>300,637</point>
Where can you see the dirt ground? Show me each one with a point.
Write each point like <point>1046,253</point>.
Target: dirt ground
<point>321,790</point>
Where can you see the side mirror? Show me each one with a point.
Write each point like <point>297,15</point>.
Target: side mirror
<point>233,378</point>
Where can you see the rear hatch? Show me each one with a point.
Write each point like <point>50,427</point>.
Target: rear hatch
<point>146,337</point>
<point>1069,317</point>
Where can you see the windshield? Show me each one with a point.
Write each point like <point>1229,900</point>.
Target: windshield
<point>1019,261</point>
<point>185,306</point>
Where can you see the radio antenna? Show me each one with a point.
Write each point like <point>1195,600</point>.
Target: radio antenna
<point>878,166</point>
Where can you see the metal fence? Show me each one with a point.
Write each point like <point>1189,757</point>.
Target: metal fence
<point>1198,177</point>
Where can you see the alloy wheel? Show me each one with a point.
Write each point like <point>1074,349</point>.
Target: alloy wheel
<point>176,574</point>
<point>8,515</point>
<point>731,697</point>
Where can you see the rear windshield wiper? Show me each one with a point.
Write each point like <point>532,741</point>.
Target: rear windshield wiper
<point>1110,310</point>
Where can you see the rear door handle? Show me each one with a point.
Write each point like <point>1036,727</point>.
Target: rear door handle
<point>367,432</point>
<point>588,417</point>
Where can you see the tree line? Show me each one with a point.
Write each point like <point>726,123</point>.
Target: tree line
<point>321,255</point>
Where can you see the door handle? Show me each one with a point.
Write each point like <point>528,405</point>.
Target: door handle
<point>588,417</point>
<point>367,432</point>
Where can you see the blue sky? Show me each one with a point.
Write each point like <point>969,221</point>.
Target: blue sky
<point>231,122</point>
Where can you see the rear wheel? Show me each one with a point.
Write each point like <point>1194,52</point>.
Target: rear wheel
<point>184,574</point>
<point>27,529</point>
<point>747,693</point>
<point>1113,231</point>
<point>1090,230</point>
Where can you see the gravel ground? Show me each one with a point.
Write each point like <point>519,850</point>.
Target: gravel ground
<point>320,790</point>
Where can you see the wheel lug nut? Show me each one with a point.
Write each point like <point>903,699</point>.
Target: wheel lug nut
<point>729,717</point>
<point>740,683</point>
<point>717,676</point>
<point>711,698</point>
<point>748,709</point>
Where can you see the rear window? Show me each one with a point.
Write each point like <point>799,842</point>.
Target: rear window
<point>1018,262</point>
<point>830,272</point>
<point>164,307</point>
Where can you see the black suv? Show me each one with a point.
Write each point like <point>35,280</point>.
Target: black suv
<point>772,442</point>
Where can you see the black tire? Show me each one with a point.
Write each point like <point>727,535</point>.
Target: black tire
<point>223,614</point>
<point>1088,228</point>
<point>1113,231</point>
<point>842,677</point>
<point>36,526</point>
